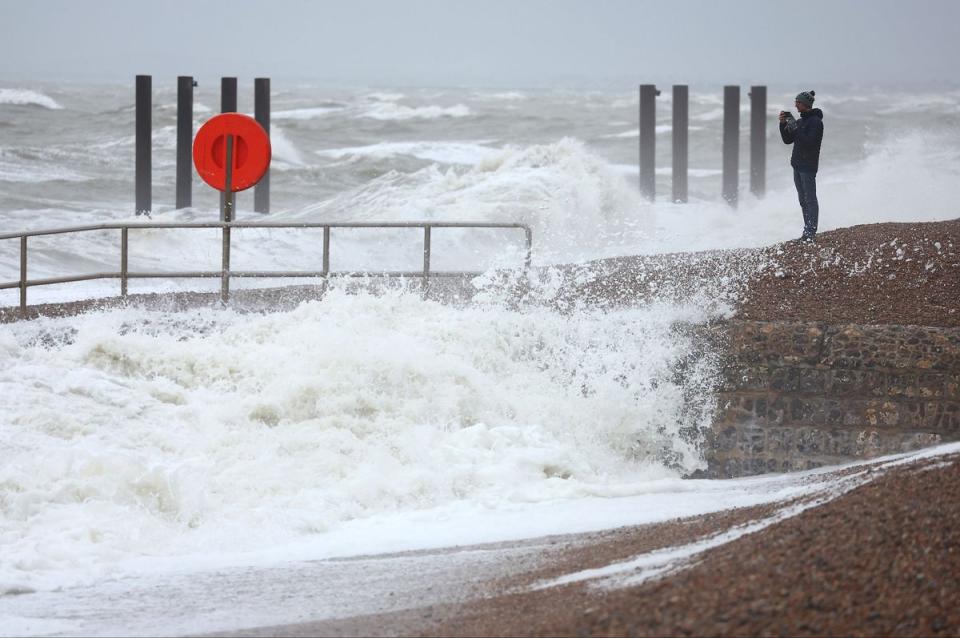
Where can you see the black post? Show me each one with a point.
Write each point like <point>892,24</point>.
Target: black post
<point>228,104</point>
<point>261,112</point>
<point>648,140</point>
<point>758,140</point>
<point>681,121</point>
<point>184,141</point>
<point>731,143</point>
<point>144,131</point>
<point>228,95</point>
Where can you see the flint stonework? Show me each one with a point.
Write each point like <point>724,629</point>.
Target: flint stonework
<point>798,395</point>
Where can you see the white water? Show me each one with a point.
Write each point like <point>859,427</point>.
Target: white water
<point>26,97</point>
<point>169,433</point>
<point>216,591</point>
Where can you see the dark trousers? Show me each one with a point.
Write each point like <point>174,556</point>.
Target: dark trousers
<point>806,184</point>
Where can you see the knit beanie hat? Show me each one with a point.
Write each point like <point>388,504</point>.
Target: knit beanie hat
<point>806,97</point>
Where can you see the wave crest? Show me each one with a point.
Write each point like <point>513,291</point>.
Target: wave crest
<point>392,111</point>
<point>26,97</point>
<point>576,202</point>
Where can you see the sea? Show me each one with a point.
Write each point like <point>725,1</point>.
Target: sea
<point>143,446</point>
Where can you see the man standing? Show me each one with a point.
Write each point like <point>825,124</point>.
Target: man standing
<point>805,135</point>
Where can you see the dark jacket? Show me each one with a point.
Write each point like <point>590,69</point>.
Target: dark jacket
<point>805,135</point>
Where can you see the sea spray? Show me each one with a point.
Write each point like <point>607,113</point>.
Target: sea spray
<point>136,433</point>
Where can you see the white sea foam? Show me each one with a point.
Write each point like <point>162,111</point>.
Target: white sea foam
<point>576,203</point>
<point>919,103</point>
<point>16,170</point>
<point>716,114</point>
<point>306,113</point>
<point>285,153</point>
<point>504,95</point>
<point>391,111</point>
<point>467,152</point>
<point>905,177</point>
<point>129,434</point>
<point>661,129</point>
<point>707,99</point>
<point>26,97</point>
<point>384,96</point>
<point>633,170</point>
<point>692,172</point>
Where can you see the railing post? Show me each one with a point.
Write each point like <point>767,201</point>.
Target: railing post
<point>326,251</point>
<point>228,104</point>
<point>648,140</point>
<point>124,241</point>
<point>226,200</point>
<point>144,144</point>
<point>731,143</point>
<point>23,276</point>
<point>426,258</point>
<point>261,113</point>
<point>681,121</point>
<point>758,140</point>
<point>226,216</point>
<point>225,267</point>
<point>184,141</point>
<point>528,258</point>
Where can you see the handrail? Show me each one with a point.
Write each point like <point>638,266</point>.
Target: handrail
<point>142,225</point>
<point>225,274</point>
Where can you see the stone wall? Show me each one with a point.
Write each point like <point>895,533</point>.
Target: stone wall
<point>800,395</point>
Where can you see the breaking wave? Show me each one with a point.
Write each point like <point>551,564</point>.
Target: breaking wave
<point>26,97</point>
<point>392,111</point>
<point>150,433</point>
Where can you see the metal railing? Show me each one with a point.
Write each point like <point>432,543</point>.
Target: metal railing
<point>225,274</point>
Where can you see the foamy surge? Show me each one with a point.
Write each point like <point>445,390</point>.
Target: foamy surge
<point>26,97</point>
<point>391,111</point>
<point>577,204</point>
<point>582,207</point>
<point>129,434</point>
<point>468,153</point>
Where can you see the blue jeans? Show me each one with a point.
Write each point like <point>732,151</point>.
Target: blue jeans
<point>806,184</point>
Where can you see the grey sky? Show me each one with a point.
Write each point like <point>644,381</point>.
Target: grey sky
<point>485,42</point>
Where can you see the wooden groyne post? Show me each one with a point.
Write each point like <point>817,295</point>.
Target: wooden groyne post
<point>261,113</point>
<point>228,104</point>
<point>758,140</point>
<point>648,140</point>
<point>681,122</point>
<point>731,144</point>
<point>185,86</point>
<point>144,147</point>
